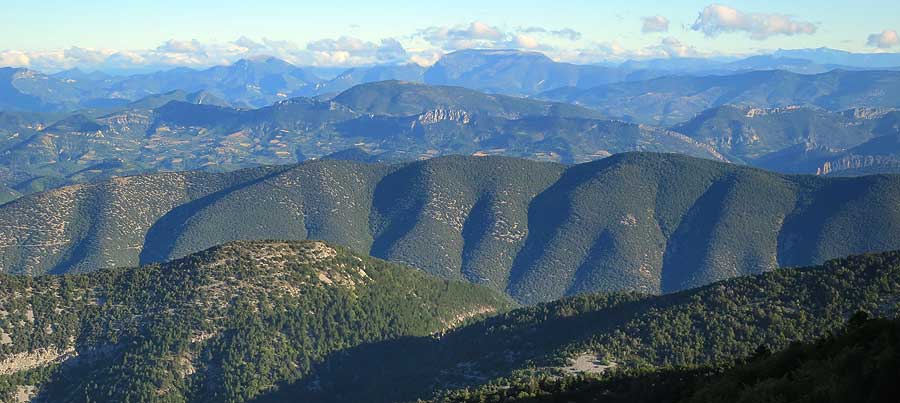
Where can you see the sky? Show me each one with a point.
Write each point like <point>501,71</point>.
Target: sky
<point>105,34</point>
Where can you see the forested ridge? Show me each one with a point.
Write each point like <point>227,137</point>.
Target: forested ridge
<point>225,324</point>
<point>857,363</point>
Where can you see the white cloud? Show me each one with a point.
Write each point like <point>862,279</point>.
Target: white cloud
<point>476,34</point>
<point>657,23</point>
<point>716,19</point>
<point>565,33</point>
<point>424,47</point>
<point>885,39</point>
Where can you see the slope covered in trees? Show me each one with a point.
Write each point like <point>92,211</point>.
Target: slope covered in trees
<point>304,321</point>
<point>700,331</point>
<point>859,363</point>
<point>646,222</point>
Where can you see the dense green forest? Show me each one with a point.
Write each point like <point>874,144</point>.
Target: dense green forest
<point>858,363</point>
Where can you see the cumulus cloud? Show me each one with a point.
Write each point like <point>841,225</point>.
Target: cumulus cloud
<point>476,34</point>
<point>885,39</point>
<point>716,19</point>
<point>657,23</point>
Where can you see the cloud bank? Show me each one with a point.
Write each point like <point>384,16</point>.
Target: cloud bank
<point>716,19</point>
<point>429,45</point>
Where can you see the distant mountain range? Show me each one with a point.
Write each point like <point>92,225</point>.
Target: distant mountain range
<point>801,139</point>
<point>392,120</point>
<point>254,83</point>
<point>77,127</point>
<point>396,121</point>
<point>538,231</point>
<point>676,99</point>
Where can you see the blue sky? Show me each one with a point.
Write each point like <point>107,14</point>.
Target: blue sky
<point>365,32</point>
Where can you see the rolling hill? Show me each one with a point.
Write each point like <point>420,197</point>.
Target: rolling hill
<point>538,231</point>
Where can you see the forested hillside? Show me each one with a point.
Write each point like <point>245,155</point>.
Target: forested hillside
<point>647,222</point>
<point>857,363</point>
<point>608,335</point>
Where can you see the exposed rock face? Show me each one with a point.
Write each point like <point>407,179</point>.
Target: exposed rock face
<point>441,115</point>
<point>870,113</point>
<point>850,162</point>
<point>35,359</point>
<point>755,112</point>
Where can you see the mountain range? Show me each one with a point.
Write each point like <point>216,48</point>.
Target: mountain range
<point>655,223</point>
<point>261,81</point>
<point>400,121</point>
<point>393,120</point>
